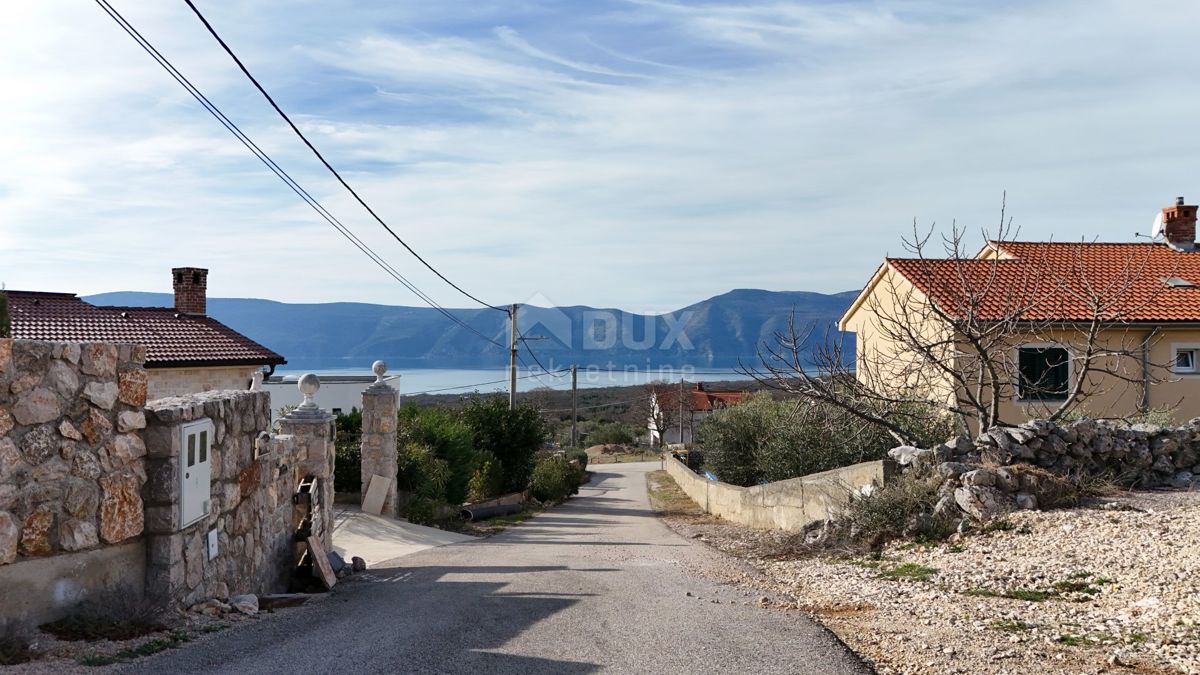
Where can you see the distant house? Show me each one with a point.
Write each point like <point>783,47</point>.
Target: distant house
<point>186,351</point>
<point>698,404</point>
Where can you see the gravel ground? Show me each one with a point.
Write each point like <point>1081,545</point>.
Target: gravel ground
<point>1114,588</point>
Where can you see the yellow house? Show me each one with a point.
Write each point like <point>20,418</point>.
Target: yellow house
<point>1024,329</point>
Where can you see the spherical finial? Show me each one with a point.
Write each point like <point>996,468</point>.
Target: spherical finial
<point>309,384</point>
<point>379,368</point>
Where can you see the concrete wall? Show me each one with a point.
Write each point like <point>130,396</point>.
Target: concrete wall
<point>43,589</point>
<point>785,505</point>
<point>166,382</point>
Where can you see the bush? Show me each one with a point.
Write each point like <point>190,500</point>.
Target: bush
<point>5,322</point>
<point>554,479</point>
<point>513,437</point>
<point>904,507</point>
<point>606,433</point>
<point>733,438</point>
<point>447,436</point>
<point>347,476</point>
<point>487,482</point>
<point>420,472</point>
<point>119,614</point>
<point>421,511</point>
<point>579,456</point>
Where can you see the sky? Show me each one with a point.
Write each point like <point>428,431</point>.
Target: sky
<point>639,154</point>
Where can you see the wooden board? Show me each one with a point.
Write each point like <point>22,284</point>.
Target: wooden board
<point>377,493</point>
<point>321,567</point>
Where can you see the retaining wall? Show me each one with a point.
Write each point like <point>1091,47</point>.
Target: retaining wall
<point>786,505</point>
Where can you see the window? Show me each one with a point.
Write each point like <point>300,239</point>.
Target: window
<point>1045,373</point>
<point>1185,359</point>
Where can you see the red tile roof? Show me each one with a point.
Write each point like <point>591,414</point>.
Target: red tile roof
<point>703,399</point>
<point>171,339</point>
<point>1064,282</point>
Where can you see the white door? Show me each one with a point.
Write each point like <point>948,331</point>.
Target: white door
<point>195,471</point>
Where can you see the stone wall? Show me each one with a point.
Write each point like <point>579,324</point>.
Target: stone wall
<point>379,422</point>
<point>250,498</point>
<point>1028,466</point>
<point>71,458</point>
<point>787,504</point>
<point>165,382</point>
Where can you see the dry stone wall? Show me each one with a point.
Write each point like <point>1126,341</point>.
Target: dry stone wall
<point>1025,467</point>
<point>71,457</point>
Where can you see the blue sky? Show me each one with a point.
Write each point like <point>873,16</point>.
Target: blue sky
<point>640,154</point>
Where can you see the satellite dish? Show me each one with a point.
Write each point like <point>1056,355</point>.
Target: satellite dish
<point>1156,230</point>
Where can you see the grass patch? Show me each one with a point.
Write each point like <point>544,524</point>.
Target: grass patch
<point>148,648</point>
<point>115,615</point>
<point>999,525</point>
<point>667,498</point>
<point>1103,581</point>
<point>909,571</point>
<point>1136,638</point>
<point>1075,640</point>
<point>981,593</point>
<point>1024,594</point>
<point>1012,626</point>
<point>1075,587</point>
<point>955,548</point>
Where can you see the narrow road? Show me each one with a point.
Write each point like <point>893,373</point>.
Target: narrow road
<point>596,584</point>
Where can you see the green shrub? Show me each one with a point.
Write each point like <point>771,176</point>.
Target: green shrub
<point>487,482</point>
<point>578,456</point>
<point>511,436</point>
<point>420,472</point>
<point>606,433</point>
<point>903,507</point>
<point>554,479</point>
<point>421,511</point>
<point>5,322</point>
<point>448,437</point>
<point>732,439</point>
<point>347,476</point>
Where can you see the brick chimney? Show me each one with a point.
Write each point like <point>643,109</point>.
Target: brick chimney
<point>191,286</point>
<point>1179,226</point>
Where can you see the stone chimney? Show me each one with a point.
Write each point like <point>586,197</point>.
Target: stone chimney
<point>1179,226</point>
<point>191,286</point>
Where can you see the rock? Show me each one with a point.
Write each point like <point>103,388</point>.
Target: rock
<point>124,449</point>
<point>85,465</point>
<point>11,462</point>
<point>50,471</point>
<point>1005,480</point>
<point>131,387</point>
<point>120,507</point>
<point>946,507</point>
<point>98,358</point>
<point>131,420</point>
<point>62,379</point>
<point>36,407</point>
<point>35,535</point>
<point>101,394</point>
<point>907,455</point>
<point>952,469</point>
<point>211,607</point>
<point>6,422</point>
<point>246,604</point>
<point>358,564</point>
<point>962,445</point>
<point>1181,480</point>
<point>40,444</point>
<point>68,430</point>
<point>82,499</point>
<point>96,428</point>
<point>9,536</point>
<point>1026,501</point>
<point>981,502</point>
<point>5,354</point>
<point>76,535</point>
<point>979,477</point>
<point>336,561</point>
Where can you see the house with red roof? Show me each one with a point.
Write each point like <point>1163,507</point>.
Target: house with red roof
<point>1140,300</point>
<point>186,351</point>
<point>698,403</point>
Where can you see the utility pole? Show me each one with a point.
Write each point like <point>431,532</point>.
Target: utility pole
<point>512,359</point>
<point>574,408</point>
<point>681,411</point>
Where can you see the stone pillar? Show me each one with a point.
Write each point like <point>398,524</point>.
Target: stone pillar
<point>314,433</point>
<point>379,436</point>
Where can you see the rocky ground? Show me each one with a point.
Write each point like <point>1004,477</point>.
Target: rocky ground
<point>1113,588</point>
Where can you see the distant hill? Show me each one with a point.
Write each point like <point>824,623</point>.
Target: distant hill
<point>715,333</point>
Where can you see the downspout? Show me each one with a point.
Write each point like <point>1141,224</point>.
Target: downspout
<point>1146,370</point>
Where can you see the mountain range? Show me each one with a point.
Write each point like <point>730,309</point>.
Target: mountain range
<point>716,333</point>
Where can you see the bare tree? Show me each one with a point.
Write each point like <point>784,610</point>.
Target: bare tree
<point>962,334</point>
<point>665,407</point>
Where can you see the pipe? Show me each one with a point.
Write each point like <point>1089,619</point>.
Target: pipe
<point>470,513</point>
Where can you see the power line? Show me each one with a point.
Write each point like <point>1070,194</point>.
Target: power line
<point>601,405</point>
<point>274,167</point>
<point>329,166</point>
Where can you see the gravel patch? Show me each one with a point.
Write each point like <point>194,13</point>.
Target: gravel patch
<point>1110,588</point>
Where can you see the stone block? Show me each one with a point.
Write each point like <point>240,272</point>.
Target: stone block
<point>194,554</point>
<point>6,422</point>
<point>10,536</point>
<point>68,430</point>
<point>37,534</point>
<point>103,395</point>
<point>96,428</point>
<point>85,464</point>
<point>50,471</point>
<point>98,358</point>
<point>5,354</point>
<point>63,379</point>
<point>162,441</point>
<point>82,499</point>
<point>162,481</point>
<point>77,535</point>
<point>250,479</point>
<point>11,461</point>
<point>37,406</point>
<point>121,514</point>
<point>126,448</point>
<point>40,444</point>
<point>8,496</point>
<point>165,550</point>
<point>162,518</point>
<point>71,352</point>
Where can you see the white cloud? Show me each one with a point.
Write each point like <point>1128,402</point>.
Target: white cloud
<point>637,154</point>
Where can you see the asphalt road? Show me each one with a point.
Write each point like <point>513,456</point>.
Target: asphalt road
<point>595,584</point>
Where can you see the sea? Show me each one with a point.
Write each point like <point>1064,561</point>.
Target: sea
<point>416,381</point>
